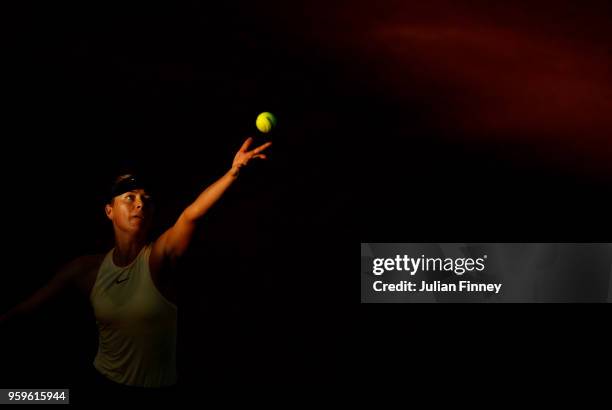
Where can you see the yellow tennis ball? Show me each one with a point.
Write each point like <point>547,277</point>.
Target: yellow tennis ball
<point>265,122</point>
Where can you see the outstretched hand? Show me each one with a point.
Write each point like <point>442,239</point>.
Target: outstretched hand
<point>243,156</point>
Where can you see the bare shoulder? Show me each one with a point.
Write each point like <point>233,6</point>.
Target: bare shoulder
<point>81,265</point>
<point>82,271</point>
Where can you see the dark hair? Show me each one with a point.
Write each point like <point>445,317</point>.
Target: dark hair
<point>125,183</point>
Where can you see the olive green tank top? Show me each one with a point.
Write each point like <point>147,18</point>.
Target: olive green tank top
<point>136,325</point>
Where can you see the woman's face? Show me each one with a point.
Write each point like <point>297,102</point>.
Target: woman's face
<point>131,211</point>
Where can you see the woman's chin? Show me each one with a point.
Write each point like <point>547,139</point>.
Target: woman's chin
<point>137,226</point>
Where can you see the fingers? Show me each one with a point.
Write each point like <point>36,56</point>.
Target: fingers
<point>244,156</point>
<point>246,144</point>
<point>261,148</point>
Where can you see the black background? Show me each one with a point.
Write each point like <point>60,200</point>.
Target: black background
<point>171,91</point>
<point>93,89</point>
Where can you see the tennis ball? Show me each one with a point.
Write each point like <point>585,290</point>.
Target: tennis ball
<point>265,122</point>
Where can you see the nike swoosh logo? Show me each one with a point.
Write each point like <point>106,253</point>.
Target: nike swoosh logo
<point>117,281</point>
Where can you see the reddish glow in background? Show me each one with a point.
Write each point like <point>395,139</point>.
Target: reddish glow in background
<point>537,75</point>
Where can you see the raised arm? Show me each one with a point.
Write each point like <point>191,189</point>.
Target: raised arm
<point>174,242</point>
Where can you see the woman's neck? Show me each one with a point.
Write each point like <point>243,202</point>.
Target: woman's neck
<point>126,249</point>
